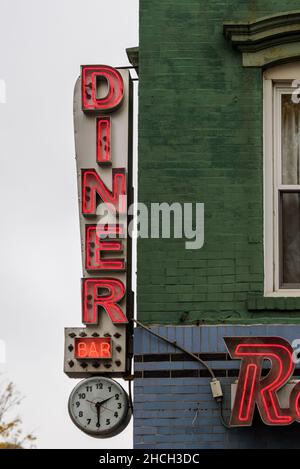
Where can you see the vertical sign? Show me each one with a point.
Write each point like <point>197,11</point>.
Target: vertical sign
<point>103,142</point>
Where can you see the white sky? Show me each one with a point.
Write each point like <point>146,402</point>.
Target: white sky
<point>42,45</point>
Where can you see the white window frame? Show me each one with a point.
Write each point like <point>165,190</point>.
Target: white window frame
<point>277,81</point>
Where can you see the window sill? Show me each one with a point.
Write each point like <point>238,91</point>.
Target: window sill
<point>283,293</point>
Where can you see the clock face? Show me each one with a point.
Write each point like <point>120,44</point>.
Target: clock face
<point>99,406</point>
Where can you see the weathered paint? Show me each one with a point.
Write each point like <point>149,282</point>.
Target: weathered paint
<point>200,140</point>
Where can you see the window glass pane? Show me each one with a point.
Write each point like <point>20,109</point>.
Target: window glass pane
<point>290,238</point>
<point>290,140</point>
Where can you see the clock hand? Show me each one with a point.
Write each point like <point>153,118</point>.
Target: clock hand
<point>91,402</point>
<point>98,405</point>
<point>106,408</point>
<point>99,402</point>
<point>105,400</point>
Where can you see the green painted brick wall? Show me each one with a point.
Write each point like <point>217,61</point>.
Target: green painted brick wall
<point>200,140</point>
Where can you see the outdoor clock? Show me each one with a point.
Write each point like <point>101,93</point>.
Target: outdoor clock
<point>100,407</point>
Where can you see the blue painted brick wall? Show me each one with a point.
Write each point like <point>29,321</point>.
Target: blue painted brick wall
<point>180,412</point>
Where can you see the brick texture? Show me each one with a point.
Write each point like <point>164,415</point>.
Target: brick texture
<point>180,412</point>
<point>200,140</point>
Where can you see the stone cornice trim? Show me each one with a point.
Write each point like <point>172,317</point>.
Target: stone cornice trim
<point>262,39</point>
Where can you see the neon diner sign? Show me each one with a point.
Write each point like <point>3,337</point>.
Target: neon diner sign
<point>103,142</point>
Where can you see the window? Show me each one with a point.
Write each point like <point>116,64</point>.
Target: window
<point>282,180</point>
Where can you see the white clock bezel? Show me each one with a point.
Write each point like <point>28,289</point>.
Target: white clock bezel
<point>121,424</point>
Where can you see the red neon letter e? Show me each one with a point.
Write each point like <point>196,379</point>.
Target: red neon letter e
<point>95,246</point>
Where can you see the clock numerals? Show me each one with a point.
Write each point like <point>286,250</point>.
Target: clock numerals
<point>99,406</point>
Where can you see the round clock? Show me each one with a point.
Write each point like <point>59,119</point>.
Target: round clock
<point>99,406</point>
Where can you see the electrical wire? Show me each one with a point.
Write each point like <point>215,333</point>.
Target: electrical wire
<point>222,418</point>
<point>195,357</point>
<point>179,347</point>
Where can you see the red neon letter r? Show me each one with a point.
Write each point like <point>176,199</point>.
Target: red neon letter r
<point>252,389</point>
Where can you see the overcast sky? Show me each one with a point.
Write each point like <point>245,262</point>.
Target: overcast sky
<point>43,43</point>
